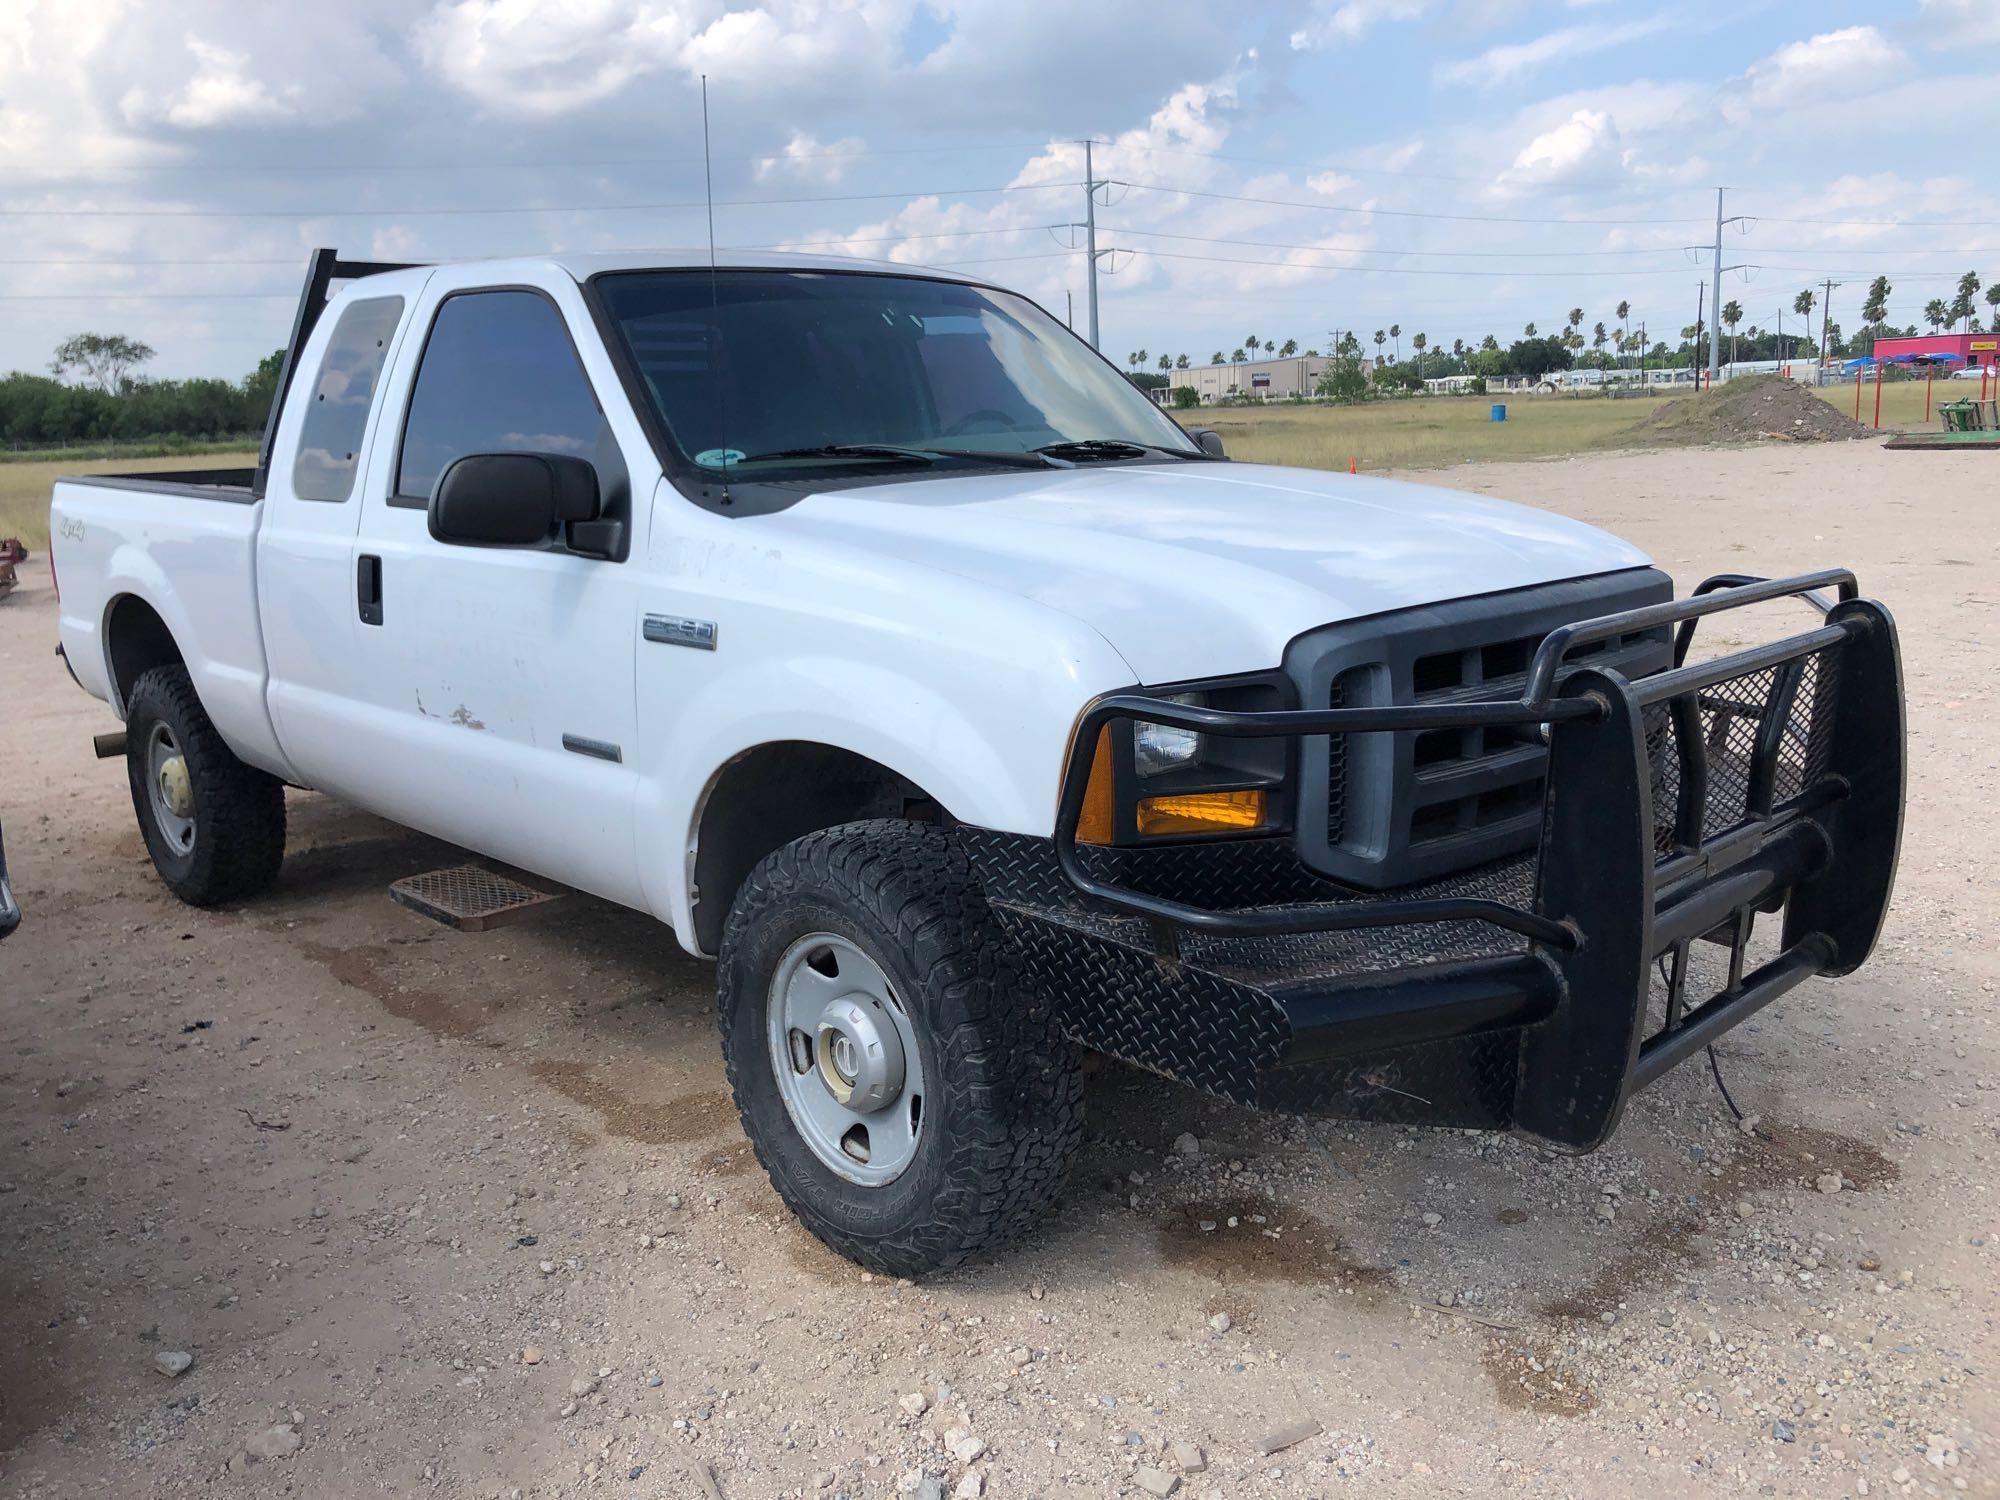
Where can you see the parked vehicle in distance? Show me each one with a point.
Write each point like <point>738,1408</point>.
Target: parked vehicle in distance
<point>865,626</point>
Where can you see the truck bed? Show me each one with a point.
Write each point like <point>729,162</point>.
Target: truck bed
<point>230,485</point>
<point>141,542</point>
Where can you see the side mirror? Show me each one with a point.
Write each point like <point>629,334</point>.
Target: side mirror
<point>1209,442</point>
<point>518,500</point>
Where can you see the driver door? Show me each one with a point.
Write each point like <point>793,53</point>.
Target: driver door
<point>496,700</point>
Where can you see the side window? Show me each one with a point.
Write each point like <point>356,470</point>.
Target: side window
<point>499,375</point>
<point>337,415</point>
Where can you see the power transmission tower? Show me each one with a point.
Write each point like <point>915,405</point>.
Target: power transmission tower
<point>1090,186</point>
<point>1091,237</point>
<point>1715,330</point>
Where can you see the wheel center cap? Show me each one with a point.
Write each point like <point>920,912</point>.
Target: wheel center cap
<point>175,789</point>
<point>860,1055</point>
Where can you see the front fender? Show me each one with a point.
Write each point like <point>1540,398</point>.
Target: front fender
<point>992,760</point>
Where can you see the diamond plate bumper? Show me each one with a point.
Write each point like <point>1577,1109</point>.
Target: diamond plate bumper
<point>1678,809</point>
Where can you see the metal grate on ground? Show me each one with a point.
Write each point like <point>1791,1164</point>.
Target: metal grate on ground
<point>468,897</point>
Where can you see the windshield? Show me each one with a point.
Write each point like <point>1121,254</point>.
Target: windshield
<point>764,372</point>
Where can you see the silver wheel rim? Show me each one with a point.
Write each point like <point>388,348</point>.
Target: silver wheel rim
<point>846,1059</point>
<point>169,789</point>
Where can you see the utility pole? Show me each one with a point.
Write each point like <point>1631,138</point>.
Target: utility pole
<point>1715,333</point>
<point>1825,318</point>
<point>1700,290</point>
<point>1090,236</point>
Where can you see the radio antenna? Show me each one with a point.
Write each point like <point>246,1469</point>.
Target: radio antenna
<point>714,298</point>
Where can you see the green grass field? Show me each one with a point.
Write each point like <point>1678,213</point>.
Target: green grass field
<point>24,487</point>
<point>1424,432</point>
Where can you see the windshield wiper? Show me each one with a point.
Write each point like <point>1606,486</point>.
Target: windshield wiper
<point>1100,448</point>
<point>843,450</point>
<point>1003,457</point>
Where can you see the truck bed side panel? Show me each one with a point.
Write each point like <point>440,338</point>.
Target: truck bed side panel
<point>191,556</point>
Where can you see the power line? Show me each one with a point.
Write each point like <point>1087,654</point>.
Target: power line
<point>1392,213</point>
<point>486,209</point>
<point>1293,265</point>
<point>290,169</point>
<point>1392,250</point>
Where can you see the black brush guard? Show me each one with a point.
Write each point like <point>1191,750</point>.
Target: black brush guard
<point>1678,808</point>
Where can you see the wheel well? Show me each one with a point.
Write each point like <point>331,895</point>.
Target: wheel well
<point>137,640</point>
<point>775,793</point>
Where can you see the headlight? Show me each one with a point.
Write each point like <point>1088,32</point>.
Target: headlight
<point>1161,747</point>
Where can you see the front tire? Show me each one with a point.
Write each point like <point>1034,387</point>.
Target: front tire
<point>911,1099</point>
<point>214,826</point>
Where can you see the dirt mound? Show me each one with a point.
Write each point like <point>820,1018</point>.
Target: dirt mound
<point>1741,411</point>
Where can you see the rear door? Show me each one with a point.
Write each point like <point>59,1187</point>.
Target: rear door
<point>305,542</point>
<point>494,685</point>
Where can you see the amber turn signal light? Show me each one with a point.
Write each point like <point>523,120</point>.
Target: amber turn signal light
<point>1201,812</point>
<point>1093,824</point>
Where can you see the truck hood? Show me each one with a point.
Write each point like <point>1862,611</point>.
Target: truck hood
<point>1201,569</point>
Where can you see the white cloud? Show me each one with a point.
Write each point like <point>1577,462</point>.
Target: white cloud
<point>220,90</point>
<point>1504,64</point>
<point>1585,146</point>
<point>523,57</point>
<point>805,158</point>
<point>1824,69</point>
<point>1336,23</point>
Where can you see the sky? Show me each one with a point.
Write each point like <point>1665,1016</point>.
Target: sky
<point>1278,170</point>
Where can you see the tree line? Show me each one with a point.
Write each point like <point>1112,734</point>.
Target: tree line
<point>1608,344</point>
<point>95,393</point>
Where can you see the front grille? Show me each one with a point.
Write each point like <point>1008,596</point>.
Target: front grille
<point>1408,806</point>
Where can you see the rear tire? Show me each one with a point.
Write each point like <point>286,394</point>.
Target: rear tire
<point>1002,1102</point>
<point>214,826</point>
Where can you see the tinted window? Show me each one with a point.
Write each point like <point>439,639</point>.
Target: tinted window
<point>337,416</point>
<point>499,375</point>
<point>763,363</point>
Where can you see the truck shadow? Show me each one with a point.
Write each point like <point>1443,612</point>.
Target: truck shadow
<point>1272,1219</point>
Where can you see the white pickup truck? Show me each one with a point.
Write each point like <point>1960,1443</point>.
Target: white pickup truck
<point>867,628</point>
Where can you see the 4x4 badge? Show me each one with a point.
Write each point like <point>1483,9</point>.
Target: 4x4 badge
<point>678,630</point>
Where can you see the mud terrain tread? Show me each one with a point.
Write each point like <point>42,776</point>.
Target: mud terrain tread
<point>239,840</point>
<point>1007,1080</point>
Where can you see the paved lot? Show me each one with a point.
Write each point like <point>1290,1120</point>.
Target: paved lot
<point>364,1170</point>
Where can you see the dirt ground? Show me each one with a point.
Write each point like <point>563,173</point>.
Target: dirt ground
<point>470,1215</point>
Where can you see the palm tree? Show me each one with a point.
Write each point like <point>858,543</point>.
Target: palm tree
<point>1575,317</point>
<point>1963,304</point>
<point>1417,343</point>
<point>1215,358</point>
<point>1180,361</point>
<point>1381,338</point>
<point>1133,358</point>
<point>1936,313</point>
<point>1291,348</point>
<point>1489,345</point>
<point>1732,314</point>
<point>1251,344</point>
<point>1876,307</point>
<point>1528,332</point>
<point>1236,358</point>
<point>1396,333</point>
<point>1166,363</point>
<point>1993,301</point>
<point>1458,348</point>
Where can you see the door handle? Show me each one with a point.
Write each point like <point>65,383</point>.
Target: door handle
<point>368,589</point>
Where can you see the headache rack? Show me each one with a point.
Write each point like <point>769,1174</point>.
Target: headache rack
<point>1677,807</point>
